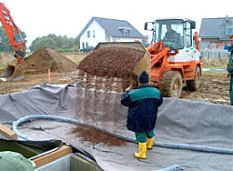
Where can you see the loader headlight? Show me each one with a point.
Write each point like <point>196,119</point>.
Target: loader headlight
<point>173,52</point>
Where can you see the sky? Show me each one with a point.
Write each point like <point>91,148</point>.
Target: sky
<point>39,18</point>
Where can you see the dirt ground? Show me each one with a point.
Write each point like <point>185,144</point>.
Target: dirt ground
<point>214,85</point>
<point>214,88</point>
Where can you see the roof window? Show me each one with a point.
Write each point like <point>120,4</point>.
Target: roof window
<point>125,30</point>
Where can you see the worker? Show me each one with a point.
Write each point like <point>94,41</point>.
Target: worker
<point>12,161</point>
<point>172,36</point>
<point>230,68</point>
<point>142,103</point>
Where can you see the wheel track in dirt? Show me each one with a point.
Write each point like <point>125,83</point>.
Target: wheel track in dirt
<point>214,88</point>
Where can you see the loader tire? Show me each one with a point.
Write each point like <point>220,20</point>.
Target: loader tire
<point>193,85</point>
<point>171,84</point>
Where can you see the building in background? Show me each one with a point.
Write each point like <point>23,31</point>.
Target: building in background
<point>214,32</point>
<point>107,30</point>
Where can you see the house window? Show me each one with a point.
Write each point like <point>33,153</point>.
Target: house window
<point>125,30</point>
<point>88,34</point>
<point>83,45</point>
<point>229,31</point>
<point>93,33</point>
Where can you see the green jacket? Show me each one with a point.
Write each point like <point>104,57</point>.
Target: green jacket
<point>230,64</point>
<point>143,103</point>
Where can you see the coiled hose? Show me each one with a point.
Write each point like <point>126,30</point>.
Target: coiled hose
<point>175,167</point>
<point>192,147</point>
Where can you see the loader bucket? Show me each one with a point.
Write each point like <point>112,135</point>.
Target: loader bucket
<point>145,60</point>
<point>120,60</point>
<point>13,72</point>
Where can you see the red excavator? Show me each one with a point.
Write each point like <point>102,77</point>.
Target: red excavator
<point>16,39</point>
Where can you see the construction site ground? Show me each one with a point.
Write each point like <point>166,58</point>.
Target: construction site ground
<point>194,122</point>
<point>214,85</point>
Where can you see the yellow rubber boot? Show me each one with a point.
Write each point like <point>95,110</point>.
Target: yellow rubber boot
<point>150,143</point>
<point>142,151</point>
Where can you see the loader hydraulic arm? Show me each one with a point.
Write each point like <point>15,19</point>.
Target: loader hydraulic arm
<point>15,36</point>
<point>157,51</point>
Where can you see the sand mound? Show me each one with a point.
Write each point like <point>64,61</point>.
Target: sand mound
<point>45,58</point>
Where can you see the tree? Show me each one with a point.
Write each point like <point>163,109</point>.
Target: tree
<point>5,45</point>
<point>4,42</point>
<point>60,43</point>
<point>42,43</point>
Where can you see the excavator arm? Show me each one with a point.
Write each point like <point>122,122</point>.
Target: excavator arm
<point>15,36</point>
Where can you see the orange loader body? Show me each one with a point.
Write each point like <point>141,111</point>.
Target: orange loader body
<point>160,64</point>
<point>190,72</point>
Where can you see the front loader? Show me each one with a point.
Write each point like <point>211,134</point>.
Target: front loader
<point>170,64</point>
<point>175,62</point>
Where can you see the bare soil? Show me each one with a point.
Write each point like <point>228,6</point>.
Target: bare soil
<point>31,80</point>
<point>214,86</point>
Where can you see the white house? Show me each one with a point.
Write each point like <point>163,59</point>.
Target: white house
<point>107,30</point>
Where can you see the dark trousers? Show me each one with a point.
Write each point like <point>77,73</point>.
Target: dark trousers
<point>231,91</point>
<point>141,136</point>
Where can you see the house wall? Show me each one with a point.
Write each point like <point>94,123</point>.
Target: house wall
<point>213,43</point>
<point>97,34</point>
<point>206,42</point>
<point>214,49</point>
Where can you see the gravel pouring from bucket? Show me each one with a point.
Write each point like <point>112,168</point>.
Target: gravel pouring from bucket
<point>122,61</point>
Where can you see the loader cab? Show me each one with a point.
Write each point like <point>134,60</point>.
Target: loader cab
<point>175,33</point>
